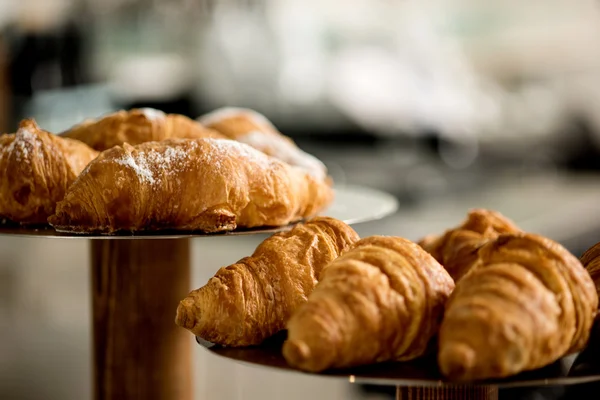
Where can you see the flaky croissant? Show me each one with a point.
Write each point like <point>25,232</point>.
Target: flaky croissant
<point>591,261</point>
<point>381,300</point>
<point>526,303</point>
<point>250,127</point>
<point>137,126</point>
<point>210,185</point>
<point>251,300</point>
<point>456,248</point>
<point>36,168</point>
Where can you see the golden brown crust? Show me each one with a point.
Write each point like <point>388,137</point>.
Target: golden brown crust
<point>456,249</point>
<point>528,303</point>
<point>209,185</point>
<point>137,126</point>
<point>250,127</point>
<point>36,168</point>
<point>247,302</point>
<point>591,261</point>
<point>381,300</point>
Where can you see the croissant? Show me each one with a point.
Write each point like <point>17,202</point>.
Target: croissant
<point>208,185</point>
<point>527,303</point>
<point>36,168</point>
<point>591,261</point>
<point>251,300</point>
<point>250,127</point>
<point>135,127</point>
<point>456,248</point>
<point>381,300</point>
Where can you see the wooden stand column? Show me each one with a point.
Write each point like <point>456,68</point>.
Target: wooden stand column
<point>447,393</point>
<point>139,352</point>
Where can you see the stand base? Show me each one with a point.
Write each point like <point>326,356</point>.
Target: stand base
<point>139,352</point>
<point>447,393</point>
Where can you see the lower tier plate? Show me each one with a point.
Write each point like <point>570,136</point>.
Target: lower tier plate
<point>572,370</point>
<point>352,204</point>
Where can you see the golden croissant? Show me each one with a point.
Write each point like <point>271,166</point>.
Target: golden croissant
<point>591,261</point>
<point>36,168</point>
<point>250,127</point>
<point>381,300</point>
<point>137,126</point>
<point>527,303</point>
<point>251,300</point>
<point>456,248</point>
<point>209,185</point>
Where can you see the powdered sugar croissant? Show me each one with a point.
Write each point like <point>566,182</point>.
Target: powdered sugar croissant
<point>526,303</point>
<point>252,299</point>
<point>36,168</point>
<point>456,248</point>
<point>381,300</point>
<point>209,185</point>
<point>137,126</point>
<point>250,127</point>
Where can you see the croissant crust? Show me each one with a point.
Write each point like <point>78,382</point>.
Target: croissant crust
<point>245,303</point>
<point>209,185</point>
<point>36,168</point>
<point>527,303</point>
<point>381,300</point>
<point>137,126</point>
<point>456,249</point>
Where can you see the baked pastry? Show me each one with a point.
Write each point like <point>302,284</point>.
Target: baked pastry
<point>381,300</point>
<point>527,303</point>
<point>249,301</point>
<point>591,261</point>
<point>36,168</point>
<point>250,127</point>
<point>209,185</point>
<point>456,248</point>
<point>137,126</point>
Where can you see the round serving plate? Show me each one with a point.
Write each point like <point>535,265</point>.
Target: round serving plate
<point>424,372</point>
<point>352,204</point>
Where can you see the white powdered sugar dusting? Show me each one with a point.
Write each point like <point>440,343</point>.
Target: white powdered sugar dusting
<point>165,163</point>
<point>285,151</point>
<point>153,114</point>
<point>228,112</point>
<point>225,148</point>
<point>25,142</point>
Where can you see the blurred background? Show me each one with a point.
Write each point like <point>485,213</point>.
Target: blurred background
<point>447,105</point>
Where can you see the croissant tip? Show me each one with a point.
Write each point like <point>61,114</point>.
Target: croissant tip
<point>457,361</point>
<point>296,353</point>
<point>184,316</point>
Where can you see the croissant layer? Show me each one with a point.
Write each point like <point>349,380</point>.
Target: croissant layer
<point>250,127</point>
<point>209,185</point>
<point>456,249</point>
<point>137,126</point>
<point>381,300</point>
<point>36,168</point>
<point>528,303</point>
<point>249,301</point>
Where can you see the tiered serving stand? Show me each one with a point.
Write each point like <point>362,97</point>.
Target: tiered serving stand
<point>137,282</point>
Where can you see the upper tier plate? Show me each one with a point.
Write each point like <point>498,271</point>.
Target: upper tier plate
<point>352,204</point>
<point>424,372</point>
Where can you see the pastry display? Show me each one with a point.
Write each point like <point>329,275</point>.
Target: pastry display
<point>456,248</point>
<point>36,169</point>
<point>249,301</point>
<point>526,304</point>
<point>250,127</point>
<point>591,261</point>
<point>137,126</point>
<point>381,300</point>
<point>208,185</point>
